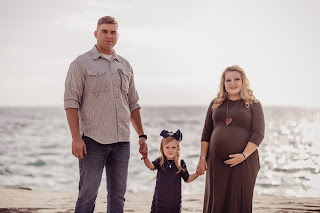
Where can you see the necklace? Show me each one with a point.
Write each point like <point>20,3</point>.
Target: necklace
<point>229,119</point>
<point>170,164</point>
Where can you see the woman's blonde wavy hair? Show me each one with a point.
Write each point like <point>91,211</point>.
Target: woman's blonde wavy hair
<point>246,93</point>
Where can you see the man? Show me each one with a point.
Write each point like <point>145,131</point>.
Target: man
<point>100,101</point>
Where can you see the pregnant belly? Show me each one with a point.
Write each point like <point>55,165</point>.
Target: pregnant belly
<point>228,140</point>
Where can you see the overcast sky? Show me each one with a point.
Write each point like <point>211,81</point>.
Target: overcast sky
<point>177,48</point>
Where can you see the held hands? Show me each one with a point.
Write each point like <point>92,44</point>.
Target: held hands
<point>235,159</point>
<point>143,147</point>
<point>202,166</point>
<point>78,147</point>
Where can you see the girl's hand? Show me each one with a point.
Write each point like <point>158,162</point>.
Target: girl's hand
<point>202,166</point>
<point>235,159</point>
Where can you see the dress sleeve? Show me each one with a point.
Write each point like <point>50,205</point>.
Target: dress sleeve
<point>156,163</point>
<point>257,124</point>
<point>185,173</point>
<point>208,125</point>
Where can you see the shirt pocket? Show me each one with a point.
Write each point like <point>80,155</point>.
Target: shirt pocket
<point>97,80</point>
<point>125,80</point>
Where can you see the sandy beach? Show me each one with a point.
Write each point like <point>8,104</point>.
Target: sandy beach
<point>25,201</point>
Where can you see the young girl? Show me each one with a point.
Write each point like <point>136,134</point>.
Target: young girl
<point>167,194</point>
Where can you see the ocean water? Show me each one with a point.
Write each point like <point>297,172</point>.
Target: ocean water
<point>35,149</point>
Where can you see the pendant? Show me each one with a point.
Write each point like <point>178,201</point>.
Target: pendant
<point>228,121</point>
<point>170,166</point>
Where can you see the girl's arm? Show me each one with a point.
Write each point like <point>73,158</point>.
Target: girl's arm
<point>192,177</point>
<point>148,163</point>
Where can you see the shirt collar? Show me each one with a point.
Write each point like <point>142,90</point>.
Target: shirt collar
<point>96,54</point>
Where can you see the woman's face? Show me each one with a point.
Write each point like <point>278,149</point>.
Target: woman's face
<point>233,84</point>
<point>171,150</point>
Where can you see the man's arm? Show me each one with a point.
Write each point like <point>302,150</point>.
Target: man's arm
<point>136,122</point>
<point>135,119</point>
<point>78,145</point>
<point>74,87</point>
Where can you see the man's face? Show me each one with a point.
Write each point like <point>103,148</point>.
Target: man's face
<point>107,36</point>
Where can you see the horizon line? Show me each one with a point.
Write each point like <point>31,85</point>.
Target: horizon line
<point>163,105</point>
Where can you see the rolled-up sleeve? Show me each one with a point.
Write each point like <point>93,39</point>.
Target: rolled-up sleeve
<point>133,96</point>
<point>208,125</point>
<point>74,86</point>
<point>257,124</point>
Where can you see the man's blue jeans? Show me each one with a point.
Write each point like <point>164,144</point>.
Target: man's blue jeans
<point>113,157</point>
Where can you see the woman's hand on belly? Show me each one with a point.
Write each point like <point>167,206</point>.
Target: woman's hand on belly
<point>235,159</point>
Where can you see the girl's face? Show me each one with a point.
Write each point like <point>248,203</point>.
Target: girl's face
<point>233,84</point>
<point>170,150</point>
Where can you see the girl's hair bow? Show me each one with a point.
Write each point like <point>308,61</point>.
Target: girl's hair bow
<point>177,135</point>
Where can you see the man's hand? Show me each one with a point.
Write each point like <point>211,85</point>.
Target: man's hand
<point>143,147</point>
<point>78,147</point>
<point>144,151</point>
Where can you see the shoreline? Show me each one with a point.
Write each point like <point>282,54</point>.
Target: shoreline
<point>29,201</point>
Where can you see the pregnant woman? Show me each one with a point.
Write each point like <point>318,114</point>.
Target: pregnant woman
<point>233,130</point>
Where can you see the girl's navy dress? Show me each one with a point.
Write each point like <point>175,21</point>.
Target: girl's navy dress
<point>167,193</point>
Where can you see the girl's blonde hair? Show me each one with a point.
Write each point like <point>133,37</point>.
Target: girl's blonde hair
<point>163,158</point>
<point>246,93</point>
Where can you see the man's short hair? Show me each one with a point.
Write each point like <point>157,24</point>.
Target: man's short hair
<point>107,20</point>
